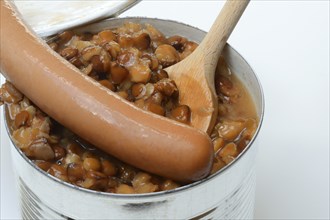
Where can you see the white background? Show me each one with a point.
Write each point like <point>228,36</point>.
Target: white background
<point>287,44</point>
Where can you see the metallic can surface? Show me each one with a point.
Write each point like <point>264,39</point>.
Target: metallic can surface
<point>228,194</point>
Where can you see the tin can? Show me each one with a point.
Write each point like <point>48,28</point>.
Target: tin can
<point>227,194</point>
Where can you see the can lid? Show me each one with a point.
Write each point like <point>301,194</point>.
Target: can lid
<point>50,17</point>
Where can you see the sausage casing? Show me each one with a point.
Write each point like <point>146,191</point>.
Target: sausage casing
<point>147,141</point>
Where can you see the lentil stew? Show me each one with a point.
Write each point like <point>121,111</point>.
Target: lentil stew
<point>130,61</point>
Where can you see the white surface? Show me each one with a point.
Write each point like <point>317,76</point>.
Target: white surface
<point>50,17</point>
<point>287,44</point>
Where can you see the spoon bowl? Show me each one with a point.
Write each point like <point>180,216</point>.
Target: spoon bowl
<point>194,75</point>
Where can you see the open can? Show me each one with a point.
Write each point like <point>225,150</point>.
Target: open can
<point>227,194</point>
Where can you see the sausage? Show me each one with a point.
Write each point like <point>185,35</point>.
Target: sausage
<point>147,141</point>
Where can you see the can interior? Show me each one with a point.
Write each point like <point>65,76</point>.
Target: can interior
<point>235,61</point>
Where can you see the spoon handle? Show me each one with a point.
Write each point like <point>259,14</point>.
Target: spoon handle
<point>221,29</point>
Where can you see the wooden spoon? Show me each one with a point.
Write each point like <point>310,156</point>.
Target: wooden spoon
<point>194,75</point>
